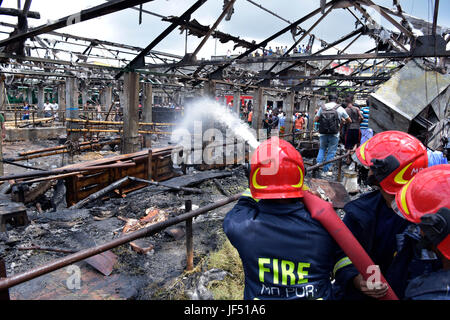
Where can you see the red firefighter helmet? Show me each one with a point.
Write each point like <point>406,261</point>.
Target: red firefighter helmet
<point>394,157</point>
<point>426,193</point>
<point>277,171</point>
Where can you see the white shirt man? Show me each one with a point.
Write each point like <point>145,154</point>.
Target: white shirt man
<point>55,108</point>
<point>47,110</point>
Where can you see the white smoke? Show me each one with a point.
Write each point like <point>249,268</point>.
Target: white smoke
<point>204,108</point>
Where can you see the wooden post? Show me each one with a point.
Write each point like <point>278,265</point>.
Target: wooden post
<point>130,141</point>
<point>311,112</point>
<point>30,95</point>
<point>258,111</point>
<point>189,238</point>
<point>41,101</point>
<point>147,111</point>
<point>288,123</point>
<point>210,89</point>
<point>61,101</point>
<point>150,158</point>
<point>237,102</point>
<point>107,97</point>
<point>72,110</point>
<point>84,94</point>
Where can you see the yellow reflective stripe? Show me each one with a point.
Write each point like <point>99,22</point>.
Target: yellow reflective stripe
<point>248,193</point>
<point>403,197</point>
<point>362,149</point>
<point>399,176</point>
<point>341,264</point>
<point>255,184</point>
<point>300,184</point>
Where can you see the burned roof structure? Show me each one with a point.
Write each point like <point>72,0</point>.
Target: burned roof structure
<point>101,63</point>
<point>403,74</point>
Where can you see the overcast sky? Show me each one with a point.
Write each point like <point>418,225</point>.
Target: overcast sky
<point>248,22</point>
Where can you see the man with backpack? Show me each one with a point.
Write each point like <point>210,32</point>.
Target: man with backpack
<point>330,117</point>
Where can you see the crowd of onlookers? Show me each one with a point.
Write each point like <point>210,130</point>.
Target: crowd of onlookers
<point>278,51</point>
<point>275,119</point>
<point>50,109</point>
<point>338,121</point>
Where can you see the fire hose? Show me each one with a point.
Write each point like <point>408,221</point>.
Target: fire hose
<point>323,212</point>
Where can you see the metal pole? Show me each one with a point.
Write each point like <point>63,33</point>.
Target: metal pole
<point>435,17</point>
<point>189,238</point>
<point>316,166</point>
<point>211,30</point>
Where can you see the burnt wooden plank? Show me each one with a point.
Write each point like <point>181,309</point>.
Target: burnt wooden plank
<point>86,181</point>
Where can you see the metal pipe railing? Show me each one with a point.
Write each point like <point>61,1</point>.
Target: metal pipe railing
<point>8,282</point>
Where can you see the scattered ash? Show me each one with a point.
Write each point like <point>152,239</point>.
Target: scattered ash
<point>98,223</point>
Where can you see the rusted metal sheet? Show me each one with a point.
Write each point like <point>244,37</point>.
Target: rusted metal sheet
<point>334,191</point>
<point>103,262</point>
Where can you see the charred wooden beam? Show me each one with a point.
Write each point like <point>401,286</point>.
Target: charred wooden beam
<point>305,58</point>
<point>84,15</point>
<point>100,193</point>
<point>274,36</point>
<point>139,60</point>
<point>29,175</point>
<point>435,17</point>
<point>17,13</point>
<point>303,36</point>
<point>216,24</point>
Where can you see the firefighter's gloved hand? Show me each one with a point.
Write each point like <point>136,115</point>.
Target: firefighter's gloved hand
<point>375,291</point>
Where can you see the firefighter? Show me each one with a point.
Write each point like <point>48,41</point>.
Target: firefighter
<point>392,158</point>
<point>285,253</point>
<point>425,201</point>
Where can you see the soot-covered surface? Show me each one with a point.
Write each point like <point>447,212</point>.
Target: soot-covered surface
<point>135,275</point>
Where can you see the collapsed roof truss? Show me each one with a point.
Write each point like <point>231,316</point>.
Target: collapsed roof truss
<point>41,59</point>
